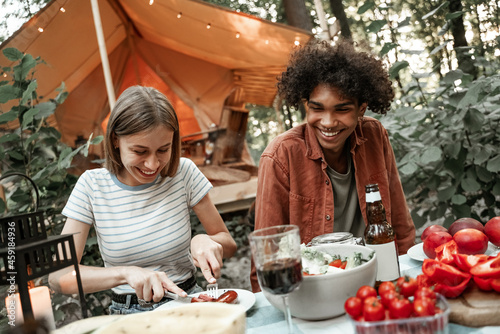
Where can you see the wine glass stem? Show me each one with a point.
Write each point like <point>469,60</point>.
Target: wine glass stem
<point>288,315</point>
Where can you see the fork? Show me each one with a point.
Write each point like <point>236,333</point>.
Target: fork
<point>213,290</point>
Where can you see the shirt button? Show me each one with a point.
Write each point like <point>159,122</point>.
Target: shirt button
<point>328,217</point>
<point>327,182</point>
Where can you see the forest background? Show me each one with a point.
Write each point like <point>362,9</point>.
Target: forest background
<point>443,59</point>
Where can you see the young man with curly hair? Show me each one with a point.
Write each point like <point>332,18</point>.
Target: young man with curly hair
<point>314,175</point>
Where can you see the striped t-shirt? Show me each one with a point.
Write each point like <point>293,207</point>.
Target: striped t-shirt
<point>146,226</point>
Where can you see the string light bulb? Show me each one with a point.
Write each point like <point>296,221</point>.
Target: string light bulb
<point>62,10</point>
<point>40,29</point>
<point>267,41</point>
<point>237,35</point>
<point>151,2</point>
<point>209,26</point>
<point>179,15</point>
<point>297,43</point>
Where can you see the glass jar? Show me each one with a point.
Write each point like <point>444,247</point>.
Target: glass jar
<point>336,238</point>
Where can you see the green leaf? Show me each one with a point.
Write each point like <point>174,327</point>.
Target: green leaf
<point>376,25</point>
<point>473,120</point>
<point>434,11</point>
<point>396,67</point>
<point>483,174</point>
<point>446,193</point>
<point>366,6</point>
<point>496,189</point>
<point>458,199</point>
<point>494,164</point>
<point>66,157</point>
<point>409,168</point>
<point>473,95</point>
<point>28,117</point>
<point>45,109</point>
<point>431,154</point>
<point>438,48</point>
<point>8,116</point>
<point>452,149</point>
<point>387,47</point>
<point>22,70</point>
<point>61,97</point>
<point>470,184</point>
<point>10,137</point>
<point>454,15</point>
<point>16,155</point>
<point>13,54</point>
<point>8,93</point>
<point>453,76</point>
<point>28,93</point>
<point>97,140</point>
<point>480,155</point>
<point>31,138</point>
<point>444,28</point>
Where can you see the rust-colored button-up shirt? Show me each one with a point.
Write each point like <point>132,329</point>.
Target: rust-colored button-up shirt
<point>294,188</point>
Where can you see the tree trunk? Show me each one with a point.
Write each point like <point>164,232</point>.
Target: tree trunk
<point>338,11</point>
<point>297,15</point>
<point>465,61</point>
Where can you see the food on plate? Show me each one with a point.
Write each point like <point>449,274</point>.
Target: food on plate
<point>433,228</point>
<point>471,241</point>
<point>434,240</point>
<point>462,223</point>
<point>316,262</point>
<point>492,230</point>
<point>228,297</point>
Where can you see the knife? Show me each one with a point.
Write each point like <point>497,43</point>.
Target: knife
<point>174,296</point>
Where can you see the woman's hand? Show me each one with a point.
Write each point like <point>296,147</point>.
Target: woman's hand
<point>148,284</point>
<point>207,255</point>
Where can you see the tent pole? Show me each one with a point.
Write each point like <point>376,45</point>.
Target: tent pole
<point>104,54</point>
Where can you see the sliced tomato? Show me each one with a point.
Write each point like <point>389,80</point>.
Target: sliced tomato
<point>336,263</point>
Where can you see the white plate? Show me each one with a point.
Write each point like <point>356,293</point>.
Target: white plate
<point>417,251</point>
<point>245,298</point>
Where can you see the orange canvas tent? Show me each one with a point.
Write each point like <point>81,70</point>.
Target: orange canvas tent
<point>205,58</point>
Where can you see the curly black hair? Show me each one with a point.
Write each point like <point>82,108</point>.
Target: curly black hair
<point>357,74</point>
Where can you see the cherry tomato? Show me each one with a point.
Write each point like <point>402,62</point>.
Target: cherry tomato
<point>424,292</point>
<point>423,307</point>
<point>374,311</point>
<point>366,291</point>
<point>407,285</point>
<point>370,300</point>
<point>354,307</point>
<point>336,263</point>
<point>343,265</point>
<point>400,308</point>
<point>387,296</point>
<point>385,286</point>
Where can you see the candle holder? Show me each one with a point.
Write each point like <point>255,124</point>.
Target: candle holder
<point>27,253</point>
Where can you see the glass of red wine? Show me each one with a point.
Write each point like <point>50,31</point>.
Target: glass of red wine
<point>276,254</point>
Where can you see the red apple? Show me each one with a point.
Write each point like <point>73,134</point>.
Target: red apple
<point>432,228</point>
<point>462,223</point>
<point>433,240</point>
<point>492,230</point>
<point>471,241</point>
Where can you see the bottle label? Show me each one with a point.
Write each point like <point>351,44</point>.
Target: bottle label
<point>373,197</point>
<point>387,261</point>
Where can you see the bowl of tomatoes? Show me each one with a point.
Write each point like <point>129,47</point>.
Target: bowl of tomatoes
<point>400,307</point>
<point>331,274</point>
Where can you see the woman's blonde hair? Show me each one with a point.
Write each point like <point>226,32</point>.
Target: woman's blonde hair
<point>139,109</point>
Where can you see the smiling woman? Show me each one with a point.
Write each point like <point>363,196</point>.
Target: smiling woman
<point>140,208</point>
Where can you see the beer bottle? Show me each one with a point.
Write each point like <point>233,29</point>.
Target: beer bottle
<point>380,236</point>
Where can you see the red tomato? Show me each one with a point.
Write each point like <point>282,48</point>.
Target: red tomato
<point>423,307</point>
<point>385,286</point>
<point>433,240</point>
<point>370,300</point>
<point>336,263</point>
<point>492,230</point>
<point>400,308</point>
<point>353,306</point>
<point>433,228</point>
<point>471,241</point>
<point>374,311</point>
<point>406,286</point>
<point>343,265</point>
<point>366,291</point>
<point>387,296</point>
<point>424,292</point>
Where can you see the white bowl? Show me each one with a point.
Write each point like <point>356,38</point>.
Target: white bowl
<point>322,297</point>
